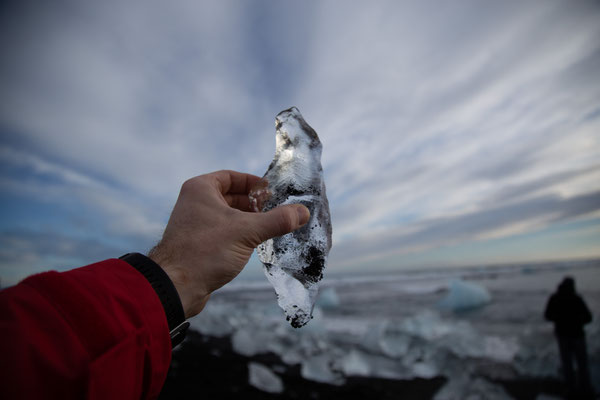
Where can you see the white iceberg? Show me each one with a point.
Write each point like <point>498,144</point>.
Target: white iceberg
<point>328,299</point>
<point>464,296</point>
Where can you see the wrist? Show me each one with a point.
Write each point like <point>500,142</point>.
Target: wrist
<point>193,299</point>
<point>166,292</point>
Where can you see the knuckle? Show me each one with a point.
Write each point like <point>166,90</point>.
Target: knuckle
<point>193,184</point>
<point>188,185</point>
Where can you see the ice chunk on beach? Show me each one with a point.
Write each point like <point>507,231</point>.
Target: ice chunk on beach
<point>294,263</point>
<point>249,342</point>
<point>319,368</point>
<point>395,344</point>
<point>429,326</point>
<point>463,387</point>
<point>372,338</point>
<point>215,320</point>
<point>328,299</point>
<point>500,349</point>
<point>262,378</point>
<point>355,364</point>
<point>378,338</point>
<point>464,296</point>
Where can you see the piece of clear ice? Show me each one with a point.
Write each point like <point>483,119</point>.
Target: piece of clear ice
<point>294,263</point>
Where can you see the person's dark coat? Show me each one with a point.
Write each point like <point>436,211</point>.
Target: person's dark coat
<point>567,310</point>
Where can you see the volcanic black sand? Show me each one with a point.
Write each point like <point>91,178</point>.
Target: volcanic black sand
<point>207,368</point>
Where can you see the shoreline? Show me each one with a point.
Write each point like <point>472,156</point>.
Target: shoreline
<point>207,366</point>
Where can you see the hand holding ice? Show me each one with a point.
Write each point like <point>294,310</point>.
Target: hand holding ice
<point>294,263</point>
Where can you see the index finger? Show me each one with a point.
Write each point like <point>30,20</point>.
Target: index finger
<point>234,182</point>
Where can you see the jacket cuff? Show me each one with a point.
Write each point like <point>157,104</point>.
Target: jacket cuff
<point>166,291</point>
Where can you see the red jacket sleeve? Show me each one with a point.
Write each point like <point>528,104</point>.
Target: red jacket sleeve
<point>96,332</point>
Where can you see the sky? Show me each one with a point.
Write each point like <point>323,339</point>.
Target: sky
<point>454,133</point>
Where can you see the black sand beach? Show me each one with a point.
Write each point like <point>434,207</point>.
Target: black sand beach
<point>208,368</point>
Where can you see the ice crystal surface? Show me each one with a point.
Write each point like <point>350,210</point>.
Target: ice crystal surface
<point>294,263</point>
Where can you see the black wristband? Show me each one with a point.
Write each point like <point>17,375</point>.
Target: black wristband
<point>164,288</point>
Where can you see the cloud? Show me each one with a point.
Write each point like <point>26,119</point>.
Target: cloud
<point>483,116</point>
<point>23,253</point>
<point>526,216</point>
<point>113,211</point>
<point>437,112</point>
<point>160,94</point>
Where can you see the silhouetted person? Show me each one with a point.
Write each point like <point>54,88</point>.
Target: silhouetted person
<point>569,313</point>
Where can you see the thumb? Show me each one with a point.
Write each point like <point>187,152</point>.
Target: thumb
<point>280,220</point>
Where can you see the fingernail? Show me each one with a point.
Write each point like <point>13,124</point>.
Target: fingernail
<point>303,214</point>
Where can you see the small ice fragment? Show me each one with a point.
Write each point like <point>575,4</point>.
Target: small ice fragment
<point>319,368</point>
<point>245,343</point>
<point>355,364</point>
<point>213,321</point>
<point>424,370</point>
<point>503,349</point>
<point>427,325</point>
<point>463,387</point>
<point>465,295</point>
<point>262,378</point>
<point>395,344</point>
<point>371,340</point>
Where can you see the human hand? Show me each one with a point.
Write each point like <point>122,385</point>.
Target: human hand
<point>211,234</point>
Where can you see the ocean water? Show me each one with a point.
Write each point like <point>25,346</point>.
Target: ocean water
<point>474,326</point>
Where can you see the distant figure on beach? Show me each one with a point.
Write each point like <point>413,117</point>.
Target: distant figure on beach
<point>569,313</point>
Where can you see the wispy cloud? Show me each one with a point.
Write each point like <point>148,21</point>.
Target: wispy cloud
<point>497,222</point>
<point>438,112</point>
<point>23,253</point>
